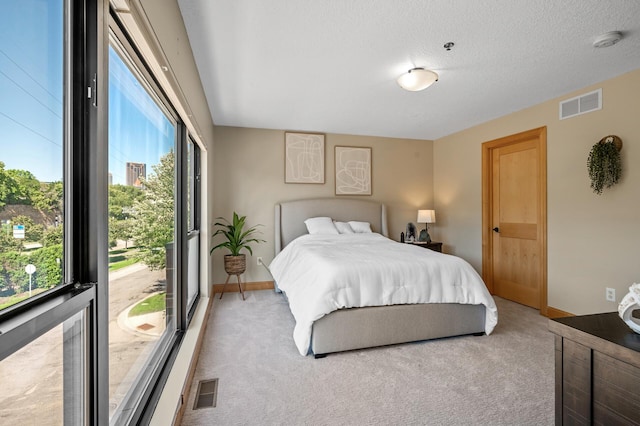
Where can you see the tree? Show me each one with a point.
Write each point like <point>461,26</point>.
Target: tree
<point>8,243</point>
<point>153,216</point>
<point>48,263</point>
<point>121,230</point>
<point>22,187</point>
<point>7,186</point>
<point>48,197</point>
<point>25,187</point>
<point>12,272</point>
<point>53,236</point>
<point>122,199</point>
<point>121,207</point>
<point>48,267</point>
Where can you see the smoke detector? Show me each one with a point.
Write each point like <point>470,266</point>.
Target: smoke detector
<point>607,39</point>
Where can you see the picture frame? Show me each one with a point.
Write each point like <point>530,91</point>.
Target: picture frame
<point>304,158</point>
<point>353,170</point>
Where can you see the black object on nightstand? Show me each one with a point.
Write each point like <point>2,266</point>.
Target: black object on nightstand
<point>435,246</point>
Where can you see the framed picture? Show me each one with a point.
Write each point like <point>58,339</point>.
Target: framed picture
<point>303,157</point>
<point>353,170</point>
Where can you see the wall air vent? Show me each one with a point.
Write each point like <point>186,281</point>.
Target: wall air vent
<point>582,104</point>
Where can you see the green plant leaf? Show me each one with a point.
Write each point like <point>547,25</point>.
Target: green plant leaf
<point>604,166</point>
<point>235,234</point>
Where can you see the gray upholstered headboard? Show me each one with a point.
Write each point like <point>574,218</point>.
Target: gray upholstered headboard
<point>290,216</point>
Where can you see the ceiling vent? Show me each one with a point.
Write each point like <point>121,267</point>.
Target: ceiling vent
<point>582,104</point>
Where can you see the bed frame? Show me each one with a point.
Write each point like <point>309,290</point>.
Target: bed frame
<point>358,328</point>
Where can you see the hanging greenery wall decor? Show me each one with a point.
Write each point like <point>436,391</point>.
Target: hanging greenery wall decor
<point>604,164</point>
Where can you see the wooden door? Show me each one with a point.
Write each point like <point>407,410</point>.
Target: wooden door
<point>514,218</point>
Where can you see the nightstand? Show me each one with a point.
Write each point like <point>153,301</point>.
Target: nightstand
<point>431,246</point>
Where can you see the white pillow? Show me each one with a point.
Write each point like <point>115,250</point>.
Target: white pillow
<point>344,228</point>
<point>320,225</point>
<point>360,227</point>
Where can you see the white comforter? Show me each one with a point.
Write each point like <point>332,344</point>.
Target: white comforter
<point>323,273</point>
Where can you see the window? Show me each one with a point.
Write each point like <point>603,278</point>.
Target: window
<point>142,224</point>
<point>193,224</point>
<point>41,382</point>
<point>40,371</point>
<point>31,165</point>
<point>94,296</point>
<point>44,318</point>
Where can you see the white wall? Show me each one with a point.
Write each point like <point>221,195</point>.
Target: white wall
<point>592,239</point>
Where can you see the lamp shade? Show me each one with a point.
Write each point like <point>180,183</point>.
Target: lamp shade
<point>417,79</point>
<point>426,216</point>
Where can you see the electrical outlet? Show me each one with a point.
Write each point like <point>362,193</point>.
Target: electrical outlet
<point>259,260</point>
<point>610,294</point>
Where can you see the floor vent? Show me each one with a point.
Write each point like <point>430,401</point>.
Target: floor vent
<point>207,394</point>
<point>582,104</point>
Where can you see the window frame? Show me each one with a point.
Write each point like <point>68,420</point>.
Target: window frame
<point>142,398</point>
<point>85,259</point>
<point>194,232</point>
<point>26,321</point>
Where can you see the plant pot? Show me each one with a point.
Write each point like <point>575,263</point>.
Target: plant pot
<point>235,265</point>
<point>614,140</point>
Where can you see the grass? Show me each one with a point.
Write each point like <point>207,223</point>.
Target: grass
<point>155,303</point>
<point>123,263</point>
<point>13,300</point>
<point>17,298</point>
<point>121,258</point>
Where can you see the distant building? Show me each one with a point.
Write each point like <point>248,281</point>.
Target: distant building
<point>135,171</point>
<point>110,179</point>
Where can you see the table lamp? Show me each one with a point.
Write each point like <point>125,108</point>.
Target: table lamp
<point>426,217</point>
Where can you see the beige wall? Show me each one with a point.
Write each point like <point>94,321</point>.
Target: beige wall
<point>249,178</point>
<point>592,239</point>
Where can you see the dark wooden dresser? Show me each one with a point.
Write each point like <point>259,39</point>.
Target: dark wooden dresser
<point>597,370</point>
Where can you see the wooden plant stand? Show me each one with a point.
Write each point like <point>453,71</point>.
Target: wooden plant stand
<point>239,285</point>
<point>234,265</point>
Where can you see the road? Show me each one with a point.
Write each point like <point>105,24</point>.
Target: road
<point>31,380</point>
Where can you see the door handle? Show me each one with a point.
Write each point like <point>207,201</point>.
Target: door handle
<point>496,229</point>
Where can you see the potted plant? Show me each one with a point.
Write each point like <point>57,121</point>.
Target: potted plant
<point>605,167</point>
<point>236,239</point>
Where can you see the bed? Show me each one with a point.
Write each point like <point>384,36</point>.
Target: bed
<point>380,309</point>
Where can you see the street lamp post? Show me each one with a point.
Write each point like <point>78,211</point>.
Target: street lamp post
<point>30,269</point>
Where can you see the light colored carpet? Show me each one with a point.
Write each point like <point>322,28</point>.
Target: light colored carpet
<point>506,378</point>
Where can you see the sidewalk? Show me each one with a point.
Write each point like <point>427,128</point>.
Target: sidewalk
<point>152,324</point>
<point>114,275</point>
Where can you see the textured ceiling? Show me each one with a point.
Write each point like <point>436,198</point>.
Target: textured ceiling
<point>331,65</point>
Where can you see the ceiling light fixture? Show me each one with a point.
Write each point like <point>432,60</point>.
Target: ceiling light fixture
<point>417,79</point>
<point>607,39</point>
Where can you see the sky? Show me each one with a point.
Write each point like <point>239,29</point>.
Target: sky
<point>31,99</point>
<point>139,131</point>
<point>31,87</point>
